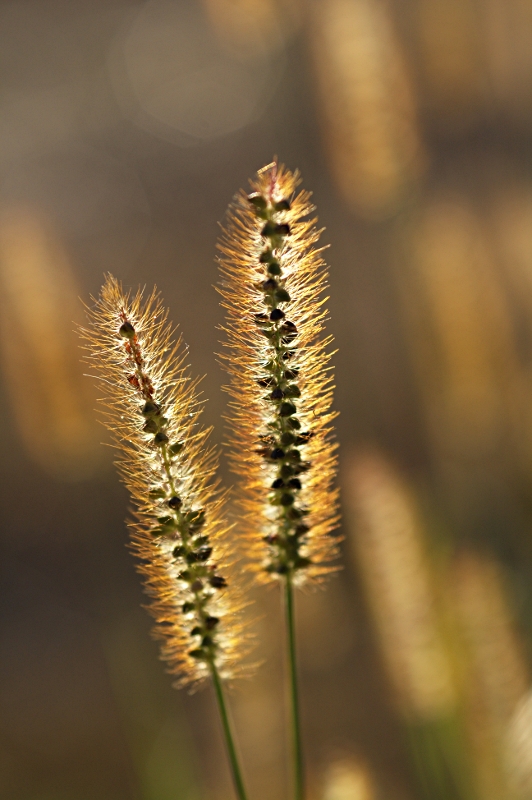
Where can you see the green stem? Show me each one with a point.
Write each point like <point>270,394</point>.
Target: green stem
<point>231,749</point>
<point>299,787</point>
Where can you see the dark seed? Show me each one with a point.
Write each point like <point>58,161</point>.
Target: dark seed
<point>274,268</point>
<point>267,257</point>
<point>160,438</point>
<point>196,653</point>
<point>217,582</point>
<point>187,607</point>
<point>301,529</point>
<point>204,553</point>
<point>277,394</point>
<point>199,541</point>
<point>277,454</point>
<point>150,426</point>
<point>275,231</point>
<point>294,483</point>
<point>297,513</point>
<point>287,438</point>
<point>276,315</point>
<point>175,502</point>
<point>191,557</point>
<point>261,319</point>
<point>258,201</point>
<point>265,382</point>
<point>290,374</point>
<point>278,483</point>
<point>176,448</point>
<point>282,296</point>
<point>282,205</point>
<point>211,623</point>
<point>287,499</point>
<point>294,423</point>
<point>269,285</point>
<point>294,455</point>
<point>270,229</point>
<point>197,586</point>
<point>292,391</point>
<point>150,408</point>
<point>286,471</point>
<point>178,551</point>
<point>126,330</point>
<point>184,575</point>
<point>281,569</point>
<point>286,410</point>
<point>195,631</point>
<point>206,641</point>
<point>155,494</point>
<point>288,329</point>
<point>301,563</point>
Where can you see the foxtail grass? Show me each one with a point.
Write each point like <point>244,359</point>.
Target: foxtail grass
<point>273,278</point>
<point>178,531</point>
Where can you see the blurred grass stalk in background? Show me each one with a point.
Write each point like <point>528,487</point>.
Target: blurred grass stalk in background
<point>39,356</point>
<point>392,555</point>
<point>366,104</point>
<point>449,639</point>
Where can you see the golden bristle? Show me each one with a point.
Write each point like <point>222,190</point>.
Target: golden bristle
<point>152,410</point>
<point>283,440</point>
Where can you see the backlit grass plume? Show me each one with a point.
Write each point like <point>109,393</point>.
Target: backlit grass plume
<point>273,278</point>
<point>178,531</point>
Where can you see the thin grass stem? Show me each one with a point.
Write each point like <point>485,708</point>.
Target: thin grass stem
<point>229,742</point>
<point>299,778</point>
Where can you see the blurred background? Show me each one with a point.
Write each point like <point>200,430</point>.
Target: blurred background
<point>125,129</point>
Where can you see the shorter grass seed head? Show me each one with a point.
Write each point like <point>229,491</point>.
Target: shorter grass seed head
<point>178,532</point>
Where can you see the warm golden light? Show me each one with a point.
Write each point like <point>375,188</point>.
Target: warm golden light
<point>348,780</point>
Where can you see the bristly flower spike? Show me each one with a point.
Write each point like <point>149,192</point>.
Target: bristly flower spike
<point>273,278</point>
<point>178,532</point>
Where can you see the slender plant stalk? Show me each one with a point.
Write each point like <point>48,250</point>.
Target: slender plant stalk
<point>297,748</point>
<point>229,741</point>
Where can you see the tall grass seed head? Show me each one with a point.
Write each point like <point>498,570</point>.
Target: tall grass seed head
<point>178,531</point>
<point>273,278</point>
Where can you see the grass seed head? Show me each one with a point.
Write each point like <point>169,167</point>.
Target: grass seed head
<point>178,531</point>
<point>273,278</point>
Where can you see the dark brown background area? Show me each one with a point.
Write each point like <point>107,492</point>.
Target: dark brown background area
<point>125,130</point>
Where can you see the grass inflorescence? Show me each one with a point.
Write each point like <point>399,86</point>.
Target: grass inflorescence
<point>178,531</point>
<point>273,278</point>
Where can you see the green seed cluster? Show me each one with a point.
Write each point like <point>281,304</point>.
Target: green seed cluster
<point>178,527</point>
<point>281,445</point>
